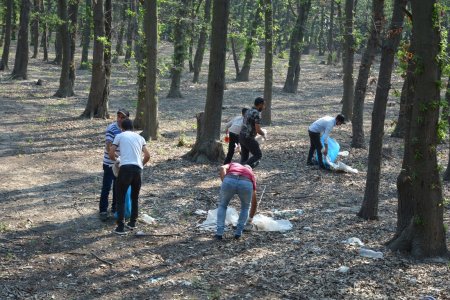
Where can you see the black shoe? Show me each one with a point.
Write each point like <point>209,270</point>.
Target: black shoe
<point>131,225</point>
<point>104,216</point>
<point>255,164</point>
<point>218,237</point>
<point>120,230</point>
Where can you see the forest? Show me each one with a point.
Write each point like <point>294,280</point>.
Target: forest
<point>183,69</point>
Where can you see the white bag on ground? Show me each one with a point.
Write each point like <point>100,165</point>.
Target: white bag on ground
<point>264,223</point>
<point>210,223</point>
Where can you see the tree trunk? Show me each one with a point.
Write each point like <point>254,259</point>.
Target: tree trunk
<point>44,39</point>
<point>130,32</point>
<point>179,50</point>
<point>21,61</point>
<point>97,105</point>
<point>373,42</point>
<point>107,52</point>
<point>8,26</point>
<point>369,208</point>
<point>151,123</point>
<point>268,62</point>
<point>321,43</point>
<point>347,98</point>
<point>58,47</point>
<point>330,41</point>
<point>250,45</point>
<point>121,32</point>
<point>65,84</point>
<point>420,229</point>
<point>293,73</point>
<point>207,147</point>
<point>35,27</point>
<point>399,130</point>
<point>14,19</point>
<point>235,56</point>
<point>341,32</point>
<point>141,55</point>
<point>198,58</point>
<point>86,35</point>
<point>447,98</point>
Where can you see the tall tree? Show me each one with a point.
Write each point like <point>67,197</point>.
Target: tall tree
<point>321,38</point>
<point>45,28</point>
<point>373,42</point>
<point>97,105</point>
<point>420,225</point>
<point>131,29</point>
<point>296,47</point>
<point>179,51</point>
<point>330,38</point>
<point>8,25</point>
<point>349,52</point>
<point>207,147</point>
<point>251,43</point>
<point>108,53</point>
<point>20,70</point>
<point>447,112</point>
<point>35,27</point>
<point>151,123</point>
<point>198,58</point>
<point>369,208</point>
<point>268,62</point>
<point>86,34</point>
<point>121,31</point>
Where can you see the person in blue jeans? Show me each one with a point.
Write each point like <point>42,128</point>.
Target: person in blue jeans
<point>236,180</point>
<point>109,179</point>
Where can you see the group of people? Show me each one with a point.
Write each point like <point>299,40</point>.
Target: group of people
<point>127,148</point>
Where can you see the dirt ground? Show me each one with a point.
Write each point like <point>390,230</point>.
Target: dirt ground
<point>53,245</point>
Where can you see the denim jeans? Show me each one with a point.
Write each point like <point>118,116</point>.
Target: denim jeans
<point>108,180</point>
<point>249,145</point>
<point>230,187</point>
<point>128,175</point>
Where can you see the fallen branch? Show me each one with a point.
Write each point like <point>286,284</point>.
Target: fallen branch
<point>150,234</point>
<point>102,260</point>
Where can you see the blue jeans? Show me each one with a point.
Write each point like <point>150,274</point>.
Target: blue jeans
<point>233,186</point>
<point>108,180</point>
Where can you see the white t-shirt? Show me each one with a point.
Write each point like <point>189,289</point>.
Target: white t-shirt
<point>235,125</point>
<point>130,144</point>
<point>323,126</point>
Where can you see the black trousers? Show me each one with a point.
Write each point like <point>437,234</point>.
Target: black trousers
<point>249,145</point>
<point>234,140</point>
<point>316,145</point>
<point>128,175</point>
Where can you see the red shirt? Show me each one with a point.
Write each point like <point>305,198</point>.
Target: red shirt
<point>240,170</point>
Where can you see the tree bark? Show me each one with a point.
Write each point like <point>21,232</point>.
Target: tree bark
<point>179,49</point>
<point>86,35</point>
<point>321,38</point>
<point>121,32</point>
<point>447,98</point>
<point>130,32</point>
<point>8,27</point>
<point>369,208</point>
<point>20,70</point>
<point>207,147</point>
<point>44,39</point>
<point>97,105</point>
<point>330,40</point>
<point>151,124</point>
<point>420,229</point>
<point>250,45</point>
<point>268,62</point>
<point>293,73</point>
<point>347,98</point>
<point>373,42</point>
<point>35,27</point>
<point>198,58</point>
<point>58,47</point>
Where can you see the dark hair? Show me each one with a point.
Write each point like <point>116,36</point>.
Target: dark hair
<point>340,118</point>
<point>127,124</point>
<point>244,110</point>
<point>259,101</point>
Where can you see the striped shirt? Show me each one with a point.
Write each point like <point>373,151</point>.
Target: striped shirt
<point>111,131</point>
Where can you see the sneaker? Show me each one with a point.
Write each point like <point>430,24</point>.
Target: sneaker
<point>218,237</point>
<point>104,216</point>
<point>120,230</point>
<point>248,227</point>
<point>131,225</point>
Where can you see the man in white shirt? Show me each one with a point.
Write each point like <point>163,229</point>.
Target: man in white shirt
<point>132,145</point>
<point>234,129</point>
<point>322,127</point>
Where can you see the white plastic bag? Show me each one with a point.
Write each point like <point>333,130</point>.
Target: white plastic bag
<point>211,220</point>
<point>264,223</point>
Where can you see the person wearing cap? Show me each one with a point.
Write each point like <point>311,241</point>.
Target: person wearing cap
<point>251,127</point>
<point>132,146</point>
<point>112,130</point>
<point>234,129</point>
<point>322,127</point>
<point>238,180</point>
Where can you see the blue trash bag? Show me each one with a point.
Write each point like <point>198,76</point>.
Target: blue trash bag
<point>127,210</point>
<point>333,150</point>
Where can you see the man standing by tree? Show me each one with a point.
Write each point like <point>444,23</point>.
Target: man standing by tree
<point>109,179</point>
<point>251,127</point>
<point>321,127</point>
<point>131,145</point>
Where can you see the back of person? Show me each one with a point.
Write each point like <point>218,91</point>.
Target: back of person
<point>131,145</point>
<point>250,118</point>
<point>236,125</point>
<point>321,124</point>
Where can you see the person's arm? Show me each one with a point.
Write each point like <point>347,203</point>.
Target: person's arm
<point>108,146</point>
<point>146,155</point>
<point>112,152</point>
<point>223,171</point>
<point>259,130</point>
<point>253,208</point>
<point>326,134</point>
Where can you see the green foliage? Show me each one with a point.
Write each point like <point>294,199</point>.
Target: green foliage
<point>182,141</point>
<point>3,227</point>
<point>419,221</point>
<point>442,130</point>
